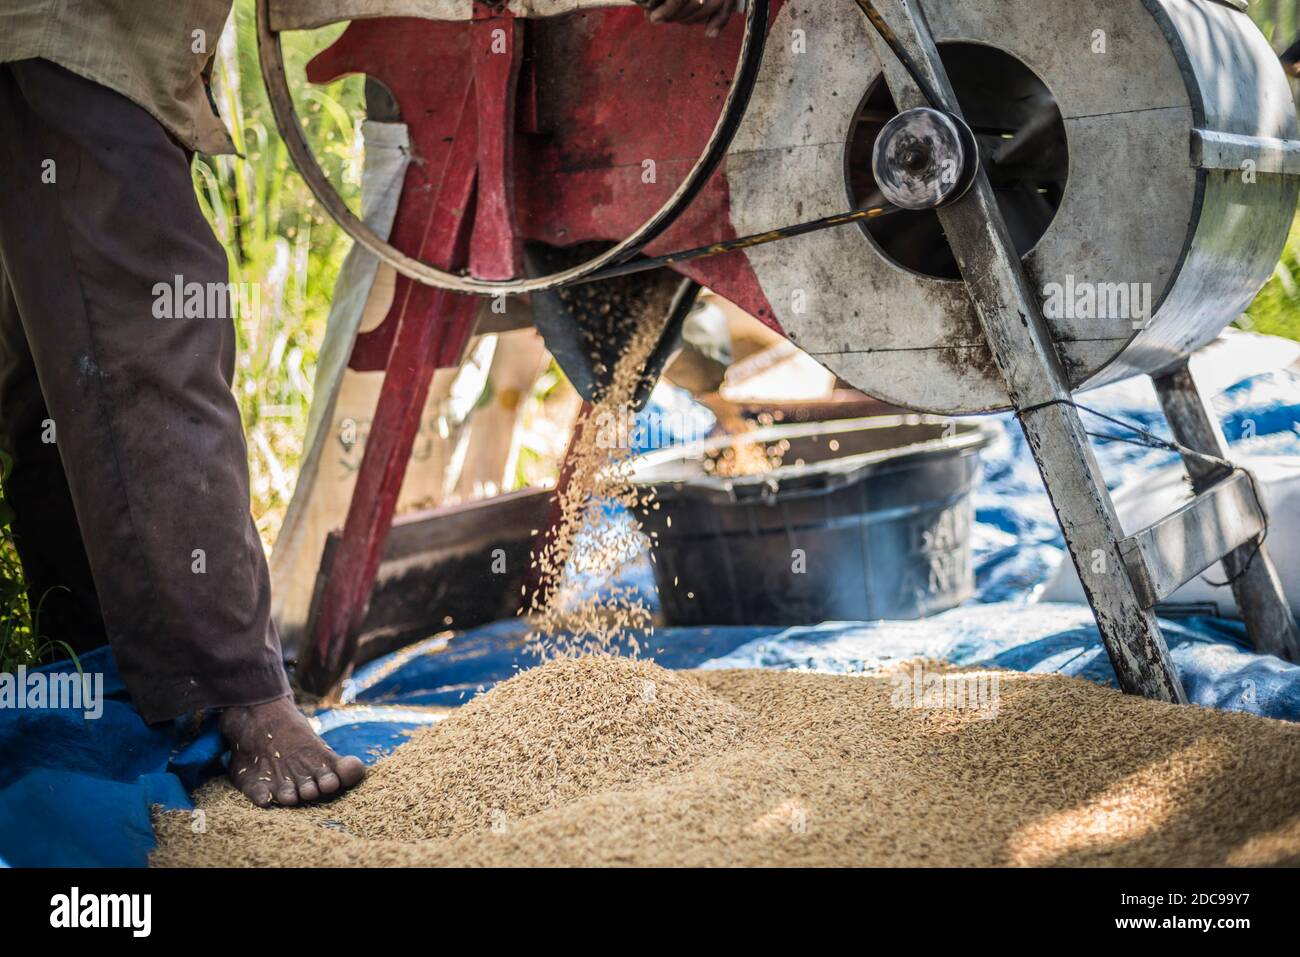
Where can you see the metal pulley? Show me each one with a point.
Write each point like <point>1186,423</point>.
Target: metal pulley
<point>277,16</point>
<point>924,159</point>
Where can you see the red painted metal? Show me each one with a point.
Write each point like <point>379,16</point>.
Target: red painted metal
<point>600,93</point>
<point>497,248</point>
<point>565,130</point>
<point>431,328</point>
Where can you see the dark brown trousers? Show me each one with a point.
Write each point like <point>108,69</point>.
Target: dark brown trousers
<point>130,476</point>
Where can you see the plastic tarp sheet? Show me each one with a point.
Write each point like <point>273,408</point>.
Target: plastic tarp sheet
<point>78,791</point>
<point>76,785</point>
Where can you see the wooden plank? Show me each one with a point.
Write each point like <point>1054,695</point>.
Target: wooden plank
<point>454,567</point>
<point>423,341</point>
<point>1165,556</point>
<point>496,250</point>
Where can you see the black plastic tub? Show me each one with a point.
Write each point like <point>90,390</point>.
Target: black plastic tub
<point>865,519</point>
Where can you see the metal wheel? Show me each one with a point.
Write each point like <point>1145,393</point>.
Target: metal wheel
<point>271,56</point>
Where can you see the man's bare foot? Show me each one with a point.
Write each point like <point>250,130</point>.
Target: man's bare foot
<point>276,756</point>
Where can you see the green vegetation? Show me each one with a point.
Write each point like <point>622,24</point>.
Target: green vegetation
<point>17,641</point>
<point>21,641</point>
<point>1276,310</point>
<point>280,242</point>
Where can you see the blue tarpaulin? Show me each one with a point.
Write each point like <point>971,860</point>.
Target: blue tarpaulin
<point>78,791</point>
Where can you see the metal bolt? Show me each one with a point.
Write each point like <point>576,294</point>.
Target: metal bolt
<point>914,159</point>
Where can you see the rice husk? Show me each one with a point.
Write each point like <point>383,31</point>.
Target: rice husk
<point>604,760</point>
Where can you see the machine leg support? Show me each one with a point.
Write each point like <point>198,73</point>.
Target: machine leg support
<point>1092,533</point>
<point>420,341</point>
<point>1255,583</point>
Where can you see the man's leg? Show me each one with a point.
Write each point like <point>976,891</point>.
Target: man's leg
<point>60,588</point>
<point>98,219</point>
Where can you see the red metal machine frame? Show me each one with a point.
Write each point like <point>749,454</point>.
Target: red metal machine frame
<point>563,130</point>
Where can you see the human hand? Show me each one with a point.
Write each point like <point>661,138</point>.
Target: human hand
<point>713,13</point>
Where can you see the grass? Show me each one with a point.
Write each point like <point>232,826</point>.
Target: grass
<point>18,641</point>
<point>1276,310</point>
<point>279,241</point>
<point>21,641</point>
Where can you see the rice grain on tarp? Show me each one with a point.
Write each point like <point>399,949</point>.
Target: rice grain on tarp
<point>605,760</point>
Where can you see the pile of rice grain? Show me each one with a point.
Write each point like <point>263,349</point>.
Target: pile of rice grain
<point>606,760</point>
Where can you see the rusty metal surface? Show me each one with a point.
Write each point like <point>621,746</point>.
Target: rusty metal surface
<point>1136,213</point>
<point>914,340</point>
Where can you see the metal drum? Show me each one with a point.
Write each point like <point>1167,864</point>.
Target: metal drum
<point>1143,153</point>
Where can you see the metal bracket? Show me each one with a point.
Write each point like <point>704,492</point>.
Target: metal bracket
<point>1212,149</point>
<point>1165,556</point>
<point>1255,583</point>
